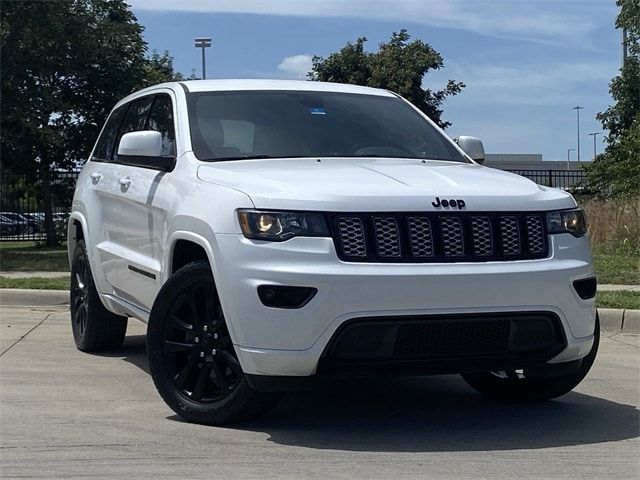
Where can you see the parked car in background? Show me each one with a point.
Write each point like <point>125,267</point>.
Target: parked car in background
<point>23,224</point>
<point>36,219</point>
<point>7,227</point>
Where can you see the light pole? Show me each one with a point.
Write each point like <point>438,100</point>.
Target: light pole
<point>203,42</point>
<point>594,135</point>
<point>577,108</point>
<point>569,150</point>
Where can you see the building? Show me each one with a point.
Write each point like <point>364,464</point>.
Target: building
<point>527,161</point>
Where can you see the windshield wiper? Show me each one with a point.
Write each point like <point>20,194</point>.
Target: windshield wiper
<point>239,157</point>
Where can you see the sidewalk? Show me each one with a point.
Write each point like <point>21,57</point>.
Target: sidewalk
<point>619,288</point>
<point>34,274</point>
<point>601,288</point>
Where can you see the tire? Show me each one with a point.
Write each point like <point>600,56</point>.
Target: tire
<point>520,389</point>
<point>191,357</point>
<point>94,327</point>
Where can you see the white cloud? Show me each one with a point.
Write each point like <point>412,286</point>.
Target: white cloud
<point>297,66</point>
<point>529,84</point>
<point>547,21</point>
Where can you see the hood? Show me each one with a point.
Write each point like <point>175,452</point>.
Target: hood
<point>377,184</point>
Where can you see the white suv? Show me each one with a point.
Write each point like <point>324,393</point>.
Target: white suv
<point>276,234</point>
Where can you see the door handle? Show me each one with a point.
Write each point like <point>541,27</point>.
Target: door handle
<point>125,182</point>
<point>96,177</point>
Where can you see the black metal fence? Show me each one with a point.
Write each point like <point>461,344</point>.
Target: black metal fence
<point>22,212</point>
<point>571,180</point>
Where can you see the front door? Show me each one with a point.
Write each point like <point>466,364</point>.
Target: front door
<point>134,210</point>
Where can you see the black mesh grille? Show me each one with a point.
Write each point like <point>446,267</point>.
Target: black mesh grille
<point>351,235</point>
<point>387,236</point>
<point>409,338</point>
<point>452,338</point>
<point>482,236</point>
<point>420,237</point>
<point>510,236</point>
<point>451,237</point>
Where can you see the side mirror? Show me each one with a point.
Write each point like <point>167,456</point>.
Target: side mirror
<point>472,146</point>
<point>147,143</point>
<point>144,149</point>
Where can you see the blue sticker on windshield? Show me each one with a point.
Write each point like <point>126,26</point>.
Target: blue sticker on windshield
<point>317,111</point>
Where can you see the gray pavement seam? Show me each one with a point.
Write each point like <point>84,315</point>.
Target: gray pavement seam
<point>25,335</point>
<point>624,341</point>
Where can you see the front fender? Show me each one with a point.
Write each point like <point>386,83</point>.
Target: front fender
<point>72,233</point>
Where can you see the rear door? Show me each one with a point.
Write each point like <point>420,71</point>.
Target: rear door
<point>133,208</point>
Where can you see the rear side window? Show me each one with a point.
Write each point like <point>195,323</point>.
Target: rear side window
<point>105,144</point>
<point>161,120</point>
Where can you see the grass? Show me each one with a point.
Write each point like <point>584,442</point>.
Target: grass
<point>31,257</point>
<point>614,224</point>
<point>618,300</point>
<point>617,268</point>
<point>36,283</point>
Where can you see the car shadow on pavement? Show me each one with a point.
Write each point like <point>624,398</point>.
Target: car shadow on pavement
<point>133,350</point>
<point>431,414</point>
<point>439,414</point>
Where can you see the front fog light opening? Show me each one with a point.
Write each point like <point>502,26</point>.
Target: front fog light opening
<point>586,287</point>
<point>278,296</point>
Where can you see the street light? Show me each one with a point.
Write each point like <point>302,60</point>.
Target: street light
<point>594,135</point>
<point>577,109</point>
<point>569,150</point>
<point>203,42</point>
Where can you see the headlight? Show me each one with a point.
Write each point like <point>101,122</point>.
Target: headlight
<point>281,226</point>
<point>567,221</point>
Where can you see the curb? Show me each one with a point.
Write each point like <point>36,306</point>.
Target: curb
<point>16,297</point>
<point>619,321</point>
<point>612,320</point>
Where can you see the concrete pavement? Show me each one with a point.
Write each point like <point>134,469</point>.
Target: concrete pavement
<point>66,414</point>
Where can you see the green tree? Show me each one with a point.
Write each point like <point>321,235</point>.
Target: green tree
<point>398,65</point>
<point>619,166</point>
<point>64,64</point>
<point>159,68</point>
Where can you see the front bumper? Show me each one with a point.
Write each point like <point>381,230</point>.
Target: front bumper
<point>290,342</point>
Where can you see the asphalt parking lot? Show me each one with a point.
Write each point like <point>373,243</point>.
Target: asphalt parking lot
<point>69,414</point>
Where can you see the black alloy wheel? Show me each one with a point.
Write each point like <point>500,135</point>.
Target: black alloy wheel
<point>94,327</point>
<point>80,294</point>
<point>192,359</point>
<point>197,349</point>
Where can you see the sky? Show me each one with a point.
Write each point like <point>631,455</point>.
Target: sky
<point>526,63</point>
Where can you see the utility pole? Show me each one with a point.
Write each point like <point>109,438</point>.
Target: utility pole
<point>569,150</point>
<point>594,135</point>
<point>203,42</point>
<point>577,108</point>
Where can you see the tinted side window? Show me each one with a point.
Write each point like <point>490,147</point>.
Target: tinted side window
<point>134,119</point>
<point>104,147</point>
<point>161,120</point>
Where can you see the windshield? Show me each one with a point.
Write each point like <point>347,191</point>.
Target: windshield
<point>277,124</point>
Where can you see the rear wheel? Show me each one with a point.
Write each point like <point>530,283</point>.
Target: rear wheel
<point>94,327</point>
<point>521,386</point>
<point>191,357</point>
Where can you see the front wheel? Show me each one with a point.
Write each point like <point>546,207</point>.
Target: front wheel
<point>517,387</point>
<point>191,357</point>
